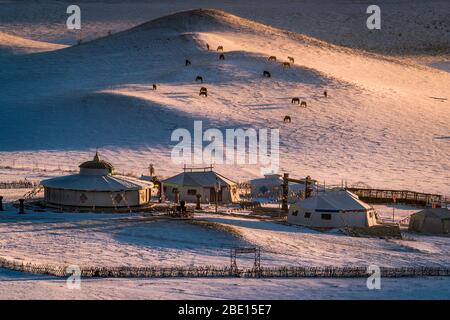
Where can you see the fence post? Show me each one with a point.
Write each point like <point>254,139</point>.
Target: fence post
<point>177,196</point>
<point>285,196</point>
<point>21,206</point>
<point>198,206</point>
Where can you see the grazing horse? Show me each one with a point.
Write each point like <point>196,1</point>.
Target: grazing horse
<point>303,104</point>
<point>291,59</point>
<point>188,63</point>
<point>287,119</point>
<point>203,92</point>
<point>286,65</point>
<point>154,86</point>
<point>222,56</point>
<point>266,74</point>
<point>199,78</point>
<point>325,94</point>
<point>295,100</point>
<point>220,48</point>
<point>272,58</point>
<point>207,46</point>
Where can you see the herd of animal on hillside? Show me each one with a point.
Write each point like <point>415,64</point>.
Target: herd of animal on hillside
<point>266,74</point>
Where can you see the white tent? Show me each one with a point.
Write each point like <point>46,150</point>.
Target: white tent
<point>431,221</point>
<point>203,181</point>
<point>96,185</point>
<point>332,209</point>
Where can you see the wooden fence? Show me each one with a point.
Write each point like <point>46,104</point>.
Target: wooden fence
<point>399,196</point>
<point>222,272</point>
<point>23,184</point>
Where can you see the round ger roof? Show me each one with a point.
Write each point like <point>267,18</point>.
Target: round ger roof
<point>96,163</point>
<point>96,175</point>
<point>107,183</point>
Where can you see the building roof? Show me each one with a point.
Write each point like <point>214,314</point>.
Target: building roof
<point>276,180</point>
<point>96,163</point>
<point>441,213</point>
<point>96,175</point>
<point>96,183</point>
<point>198,179</point>
<point>273,179</point>
<point>334,201</point>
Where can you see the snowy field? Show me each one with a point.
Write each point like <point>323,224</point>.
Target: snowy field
<point>15,285</point>
<point>133,240</point>
<point>385,123</point>
<point>136,240</point>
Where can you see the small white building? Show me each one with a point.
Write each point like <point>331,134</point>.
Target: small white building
<point>332,209</point>
<point>202,181</point>
<point>267,187</point>
<point>431,221</point>
<point>96,186</point>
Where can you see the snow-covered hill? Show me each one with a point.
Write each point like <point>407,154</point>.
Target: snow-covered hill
<point>381,122</point>
<point>408,27</point>
<point>10,44</point>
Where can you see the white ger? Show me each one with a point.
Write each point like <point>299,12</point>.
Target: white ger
<point>332,209</point>
<point>96,186</point>
<point>210,185</point>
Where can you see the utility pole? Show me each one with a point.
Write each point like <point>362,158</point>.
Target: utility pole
<point>308,190</point>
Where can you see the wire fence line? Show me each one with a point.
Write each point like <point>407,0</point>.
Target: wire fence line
<point>221,272</point>
<point>20,184</point>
